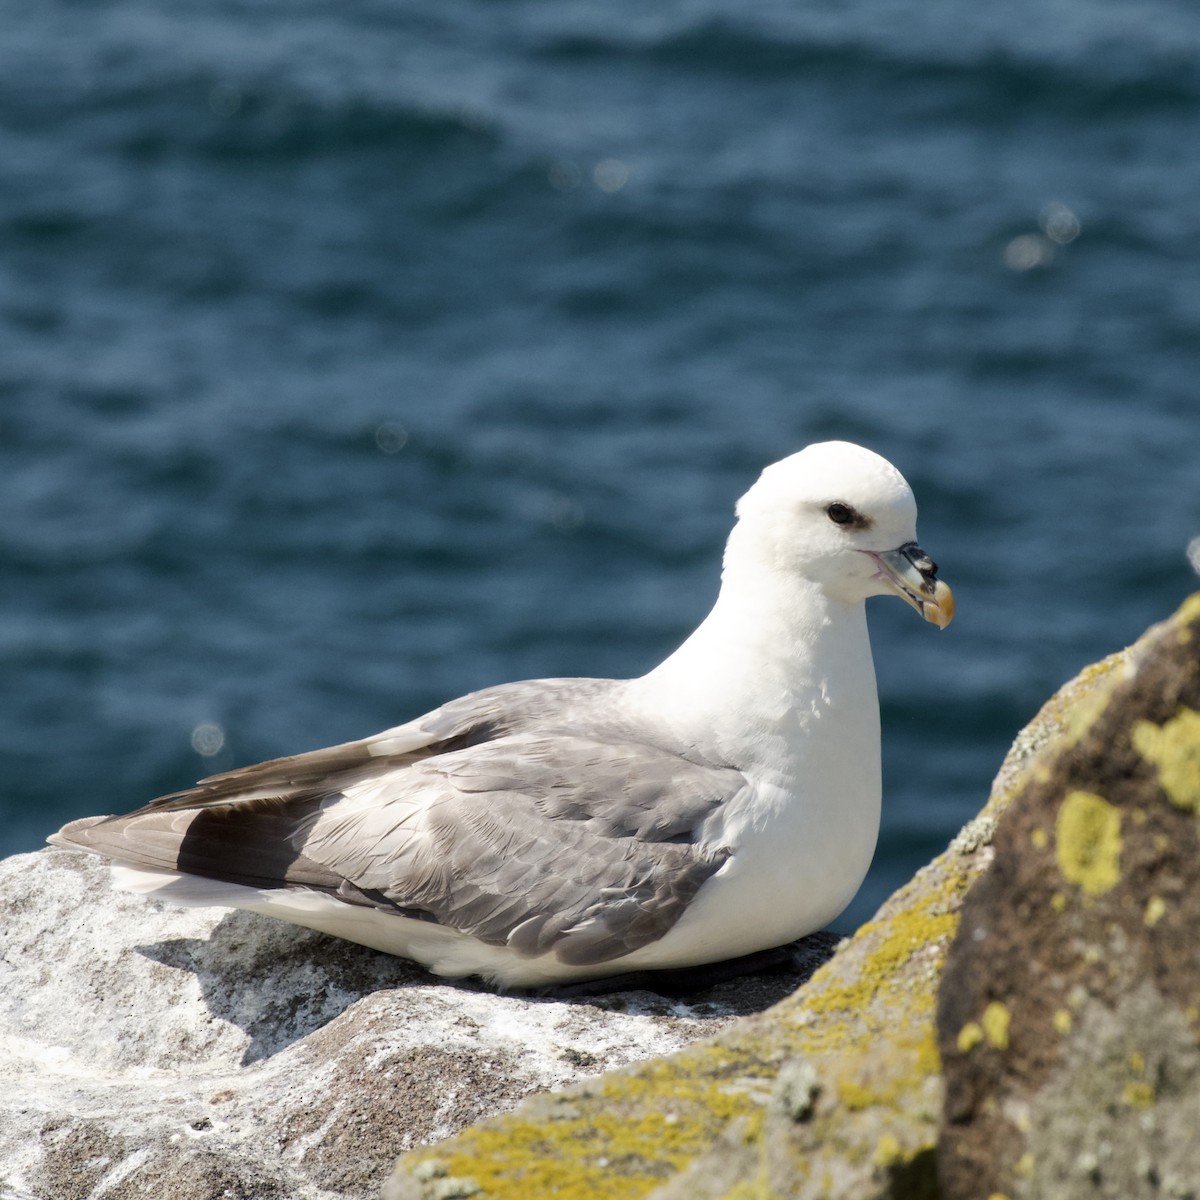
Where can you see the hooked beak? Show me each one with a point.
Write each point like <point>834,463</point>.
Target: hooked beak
<point>912,575</point>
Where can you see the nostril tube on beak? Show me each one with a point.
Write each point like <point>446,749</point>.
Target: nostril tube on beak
<point>919,559</point>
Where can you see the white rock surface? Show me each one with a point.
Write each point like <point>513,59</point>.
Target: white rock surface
<point>148,1052</point>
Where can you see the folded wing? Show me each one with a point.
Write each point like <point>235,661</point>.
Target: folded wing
<point>501,826</point>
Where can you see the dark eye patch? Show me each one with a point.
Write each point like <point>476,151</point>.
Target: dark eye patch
<point>846,515</point>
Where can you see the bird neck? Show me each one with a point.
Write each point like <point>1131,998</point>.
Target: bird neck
<point>773,654</point>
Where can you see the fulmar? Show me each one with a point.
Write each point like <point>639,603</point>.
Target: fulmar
<point>550,831</point>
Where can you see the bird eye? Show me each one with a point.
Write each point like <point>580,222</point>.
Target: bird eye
<point>840,514</point>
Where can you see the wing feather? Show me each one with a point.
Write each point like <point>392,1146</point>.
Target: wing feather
<point>516,844</point>
<point>513,816</point>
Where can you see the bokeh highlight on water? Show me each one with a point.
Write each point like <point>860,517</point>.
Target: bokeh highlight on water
<point>358,355</point>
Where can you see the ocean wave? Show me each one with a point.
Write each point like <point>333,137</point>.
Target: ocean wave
<point>1115,77</point>
<point>279,124</point>
<point>160,109</point>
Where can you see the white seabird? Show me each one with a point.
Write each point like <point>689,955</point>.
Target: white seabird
<point>565,829</point>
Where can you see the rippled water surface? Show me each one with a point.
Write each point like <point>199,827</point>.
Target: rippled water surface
<point>355,355</point>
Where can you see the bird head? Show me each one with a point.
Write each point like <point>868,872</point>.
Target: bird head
<point>843,518</point>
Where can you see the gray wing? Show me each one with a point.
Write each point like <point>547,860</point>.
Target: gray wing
<point>468,721</point>
<point>578,842</point>
<point>584,847</point>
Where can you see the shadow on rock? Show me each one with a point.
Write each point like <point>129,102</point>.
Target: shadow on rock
<point>279,983</point>
<point>744,985</point>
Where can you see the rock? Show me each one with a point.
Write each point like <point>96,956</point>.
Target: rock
<point>835,1092</point>
<point>1069,1018</point>
<point>166,1053</point>
<point>150,1053</point>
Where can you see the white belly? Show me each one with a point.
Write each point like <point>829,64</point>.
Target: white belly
<point>793,870</point>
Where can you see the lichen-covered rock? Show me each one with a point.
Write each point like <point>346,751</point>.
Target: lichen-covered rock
<point>835,1092</point>
<point>1069,1019</point>
<point>150,1053</point>
<point>160,1053</point>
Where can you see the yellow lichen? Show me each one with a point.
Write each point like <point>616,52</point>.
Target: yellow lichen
<point>996,1020</point>
<point>887,1151</point>
<point>1137,1062</point>
<point>854,1096</point>
<point>969,1036</point>
<point>1156,909</point>
<point>930,924</point>
<point>912,1057</point>
<point>1174,749</point>
<point>929,1062</point>
<point>1088,842</point>
<point>1024,1166</point>
<point>751,1189</point>
<point>1139,1095</point>
<point>868,1018</point>
<point>631,1131</point>
<point>1091,703</point>
<point>1058,901</point>
<point>1187,614</point>
<point>624,1150</point>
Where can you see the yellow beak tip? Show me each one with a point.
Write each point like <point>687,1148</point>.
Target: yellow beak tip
<point>940,610</point>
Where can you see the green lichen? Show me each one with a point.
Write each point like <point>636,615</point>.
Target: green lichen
<point>796,1090</point>
<point>1088,842</point>
<point>1174,749</point>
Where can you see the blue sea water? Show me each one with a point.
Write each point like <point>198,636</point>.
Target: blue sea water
<point>355,355</point>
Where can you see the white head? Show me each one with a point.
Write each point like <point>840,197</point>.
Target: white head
<point>842,518</point>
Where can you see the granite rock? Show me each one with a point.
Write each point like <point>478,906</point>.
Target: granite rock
<point>834,1092</point>
<point>150,1053</point>
<point>1069,1017</point>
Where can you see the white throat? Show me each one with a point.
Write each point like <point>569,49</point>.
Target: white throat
<point>778,682</point>
<point>772,658</point>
